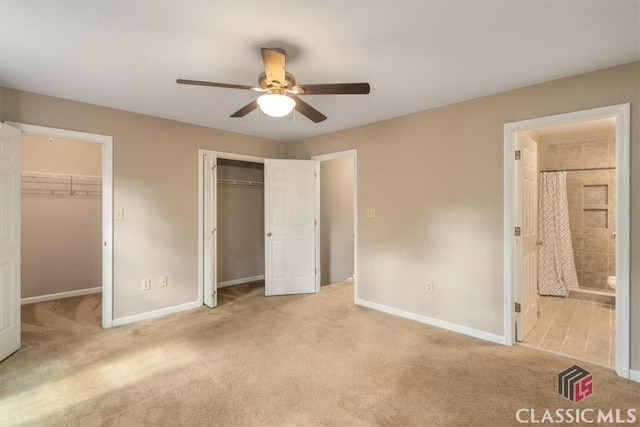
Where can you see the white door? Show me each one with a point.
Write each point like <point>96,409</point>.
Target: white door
<point>527,272</point>
<point>289,193</point>
<point>9,240</point>
<point>210,231</point>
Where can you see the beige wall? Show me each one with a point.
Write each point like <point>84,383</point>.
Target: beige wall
<point>436,181</point>
<point>155,165</point>
<point>61,236</point>
<point>240,248</point>
<point>336,220</point>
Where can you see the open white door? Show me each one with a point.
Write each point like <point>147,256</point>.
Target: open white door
<point>9,240</point>
<point>209,241</point>
<point>526,249</point>
<point>289,193</point>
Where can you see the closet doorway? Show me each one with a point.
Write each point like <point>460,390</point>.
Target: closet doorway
<point>240,222</point>
<point>231,223</point>
<point>66,201</point>
<point>212,183</point>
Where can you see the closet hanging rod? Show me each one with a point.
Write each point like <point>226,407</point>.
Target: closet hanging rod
<point>240,182</point>
<point>577,170</point>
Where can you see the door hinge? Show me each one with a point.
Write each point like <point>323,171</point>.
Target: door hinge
<point>518,307</point>
<point>518,154</point>
<point>518,232</point>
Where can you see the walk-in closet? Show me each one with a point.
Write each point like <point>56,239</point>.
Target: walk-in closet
<point>61,218</point>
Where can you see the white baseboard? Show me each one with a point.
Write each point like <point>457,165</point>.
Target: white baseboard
<point>156,313</point>
<point>498,339</point>
<point>634,375</point>
<point>240,281</point>
<point>60,295</point>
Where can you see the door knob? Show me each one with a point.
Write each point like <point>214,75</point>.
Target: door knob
<point>269,234</point>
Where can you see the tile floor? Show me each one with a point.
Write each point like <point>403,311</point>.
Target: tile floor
<point>580,329</point>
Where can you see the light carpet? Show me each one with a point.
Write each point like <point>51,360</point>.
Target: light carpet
<point>304,360</point>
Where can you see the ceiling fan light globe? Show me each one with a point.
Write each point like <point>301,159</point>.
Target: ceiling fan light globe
<point>276,105</point>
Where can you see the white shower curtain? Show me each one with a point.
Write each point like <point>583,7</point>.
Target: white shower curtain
<point>556,268</point>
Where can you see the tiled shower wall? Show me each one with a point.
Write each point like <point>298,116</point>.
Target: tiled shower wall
<point>592,205</point>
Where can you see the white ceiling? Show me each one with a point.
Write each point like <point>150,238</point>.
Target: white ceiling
<point>416,55</point>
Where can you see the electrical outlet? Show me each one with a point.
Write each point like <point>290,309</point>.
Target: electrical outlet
<point>146,284</point>
<point>163,281</point>
<point>429,287</point>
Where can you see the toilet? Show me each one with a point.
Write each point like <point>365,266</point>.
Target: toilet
<point>611,281</point>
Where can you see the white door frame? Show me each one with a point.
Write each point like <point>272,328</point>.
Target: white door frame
<point>621,113</point>
<point>107,204</point>
<point>208,263</point>
<point>322,158</point>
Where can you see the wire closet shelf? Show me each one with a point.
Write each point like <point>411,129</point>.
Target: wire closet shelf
<point>60,185</point>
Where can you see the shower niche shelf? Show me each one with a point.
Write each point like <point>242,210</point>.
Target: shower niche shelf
<point>595,194</point>
<point>595,217</point>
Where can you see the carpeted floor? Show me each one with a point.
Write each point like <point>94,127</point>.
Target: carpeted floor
<point>294,360</point>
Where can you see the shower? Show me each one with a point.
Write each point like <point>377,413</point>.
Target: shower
<point>588,161</point>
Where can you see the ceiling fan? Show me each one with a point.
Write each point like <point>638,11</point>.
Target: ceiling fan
<point>281,93</point>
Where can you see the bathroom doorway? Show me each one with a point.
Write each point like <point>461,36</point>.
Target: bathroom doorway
<point>587,317</point>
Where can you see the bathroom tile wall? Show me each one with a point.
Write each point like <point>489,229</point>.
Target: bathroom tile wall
<point>592,205</point>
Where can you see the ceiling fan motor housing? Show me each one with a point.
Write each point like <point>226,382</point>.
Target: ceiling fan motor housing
<point>275,86</point>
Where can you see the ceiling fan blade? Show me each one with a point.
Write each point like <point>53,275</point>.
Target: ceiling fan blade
<point>332,89</point>
<point>246,109</point>
<point>227,85</point>
<point>308,111</point>
<point>274,64</point>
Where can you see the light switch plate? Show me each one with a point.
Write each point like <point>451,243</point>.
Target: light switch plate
<point>119,214</point>
<point>371,213</point>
